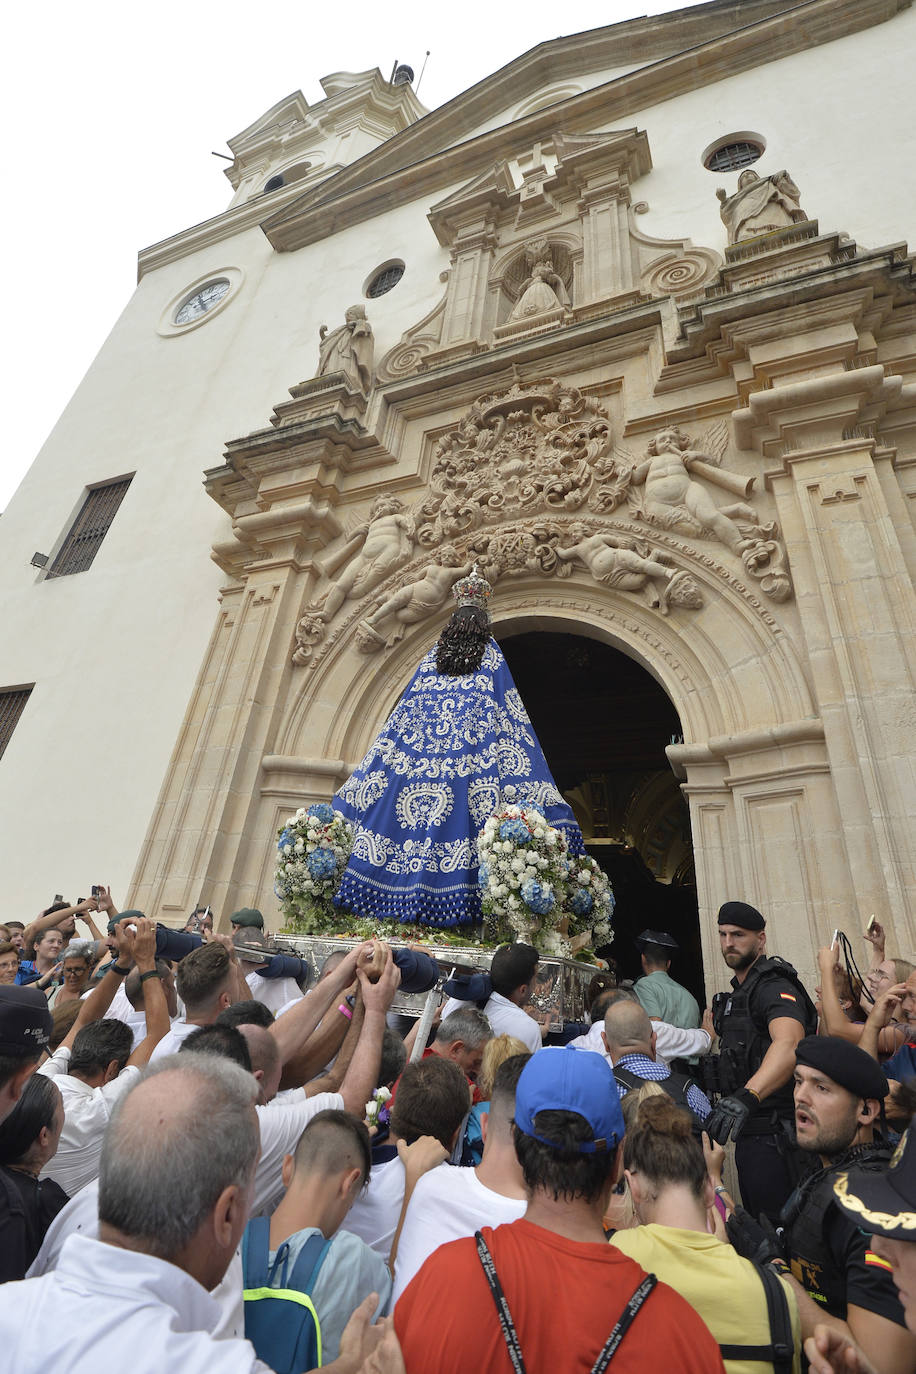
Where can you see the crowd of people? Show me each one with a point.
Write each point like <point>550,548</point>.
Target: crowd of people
<point>213,1156</point>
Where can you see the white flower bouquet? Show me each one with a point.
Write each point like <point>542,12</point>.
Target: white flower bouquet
<point>534,890</point>
<point>312,852</point>
<point>522,876</point>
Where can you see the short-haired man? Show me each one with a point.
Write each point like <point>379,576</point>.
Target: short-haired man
<point>449,1202</point>
<point>432,1100</point>
<point>671,1042</point>
<point>564,1289</point>
<point>657,991</point>
<point>512,971</point>
<point>462,1037</point>
<point>759,1024</point>
<point>839,1090</point>
<point>25,1029</point>
<point>96,1064</point>
<point>323,1177</point>
<point>174,1195</point>
<point>629,1036</point>
<point>883,1205</point>
<point>275,993</point>
<point>207,980</point>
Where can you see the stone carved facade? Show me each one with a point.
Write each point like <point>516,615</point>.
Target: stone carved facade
<point>522,457</point>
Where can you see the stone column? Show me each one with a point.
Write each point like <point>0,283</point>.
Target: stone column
<point>766,830</point>
<point>844,526</point>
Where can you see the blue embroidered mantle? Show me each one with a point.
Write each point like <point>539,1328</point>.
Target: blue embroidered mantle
<point>451,752</point>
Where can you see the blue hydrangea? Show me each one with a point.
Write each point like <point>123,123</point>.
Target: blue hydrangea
<point>536,897</point>
<point>533,806</point>
<point>321,863</point>
<point>483,875</point>
<point>285,838</point>
<point>582,901</point>
<point>515,829</point>
<point>322,811</point>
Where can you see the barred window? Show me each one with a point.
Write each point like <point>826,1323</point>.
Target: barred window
<point>730,157</point>
<point>384,279</point>
<point>12,705</point>
<point>89,529</point>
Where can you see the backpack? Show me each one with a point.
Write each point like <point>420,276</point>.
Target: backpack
<point>281,1323</point>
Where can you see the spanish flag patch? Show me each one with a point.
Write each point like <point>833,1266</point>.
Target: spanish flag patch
<point>788,997</point>
<point>876,1260</point>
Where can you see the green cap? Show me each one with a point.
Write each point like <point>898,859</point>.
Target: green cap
<point>248,916</point>
<point>132,915</point>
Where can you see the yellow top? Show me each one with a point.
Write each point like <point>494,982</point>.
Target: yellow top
<point>719,1284</point>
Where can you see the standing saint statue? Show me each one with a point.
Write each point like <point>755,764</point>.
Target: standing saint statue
<point>348,349</point>
<point>760,205</point>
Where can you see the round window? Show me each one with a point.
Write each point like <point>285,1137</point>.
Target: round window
<point>732,153</point>
<point>383,279</point>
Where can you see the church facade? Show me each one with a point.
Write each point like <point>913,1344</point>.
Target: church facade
<point>631,324</point>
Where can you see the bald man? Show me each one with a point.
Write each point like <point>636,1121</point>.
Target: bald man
<point>629,1038</point>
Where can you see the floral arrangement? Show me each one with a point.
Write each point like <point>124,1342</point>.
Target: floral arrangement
<point>377,1107</point>
<point>312,852</point>
<point>533,889</point>
<point>590,899</point>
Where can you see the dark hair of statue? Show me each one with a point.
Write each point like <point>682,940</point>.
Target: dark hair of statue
<point>460,647</point>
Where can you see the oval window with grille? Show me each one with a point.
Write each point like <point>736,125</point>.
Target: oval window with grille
<point>383,279</point>
<point>732,153</point>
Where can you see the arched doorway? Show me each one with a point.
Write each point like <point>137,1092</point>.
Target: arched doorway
<point>603,722</point>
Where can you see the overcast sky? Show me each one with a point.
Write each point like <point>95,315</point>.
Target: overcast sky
<point>112,112</point>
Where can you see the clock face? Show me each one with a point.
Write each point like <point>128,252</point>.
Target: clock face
<point>202,301</point>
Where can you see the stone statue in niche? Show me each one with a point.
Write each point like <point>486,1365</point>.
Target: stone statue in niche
<point>615,561</point>
<point>348,349</point>
<point>413,603</point>
<point>375,548</point>
<point>544,290</point>
<point>760,205</point>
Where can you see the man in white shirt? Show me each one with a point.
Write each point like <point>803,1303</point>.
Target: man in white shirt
<point>133,1014</point>
<point>450,1202</point>
<point>208,979</point>
<point>671,1042</point>
<point>512,972</point>
<point>94,1066</point>
<point>432,1099</point>
<point>174,1196</point>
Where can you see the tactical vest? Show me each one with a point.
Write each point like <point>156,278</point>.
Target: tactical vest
<point>744,1040</point>
<point>803,1219</point>
<point>675,1085</point>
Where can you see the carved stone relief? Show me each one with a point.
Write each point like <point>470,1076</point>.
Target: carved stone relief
<point>665,489</point>
<point>503,486</point>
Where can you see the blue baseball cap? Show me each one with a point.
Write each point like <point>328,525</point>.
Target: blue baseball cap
<point>565,1080</point>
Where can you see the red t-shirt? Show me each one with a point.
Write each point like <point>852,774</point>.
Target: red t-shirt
<point>565,1297</point>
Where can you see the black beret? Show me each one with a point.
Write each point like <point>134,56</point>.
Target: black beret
<point>845,1064</point>
<point>741,915</point>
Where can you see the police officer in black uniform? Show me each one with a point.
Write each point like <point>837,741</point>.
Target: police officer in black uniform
<point>759,1024</point>
<point>839,1092</point>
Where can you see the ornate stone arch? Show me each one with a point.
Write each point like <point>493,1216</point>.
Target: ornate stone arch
<point>727,671</point>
